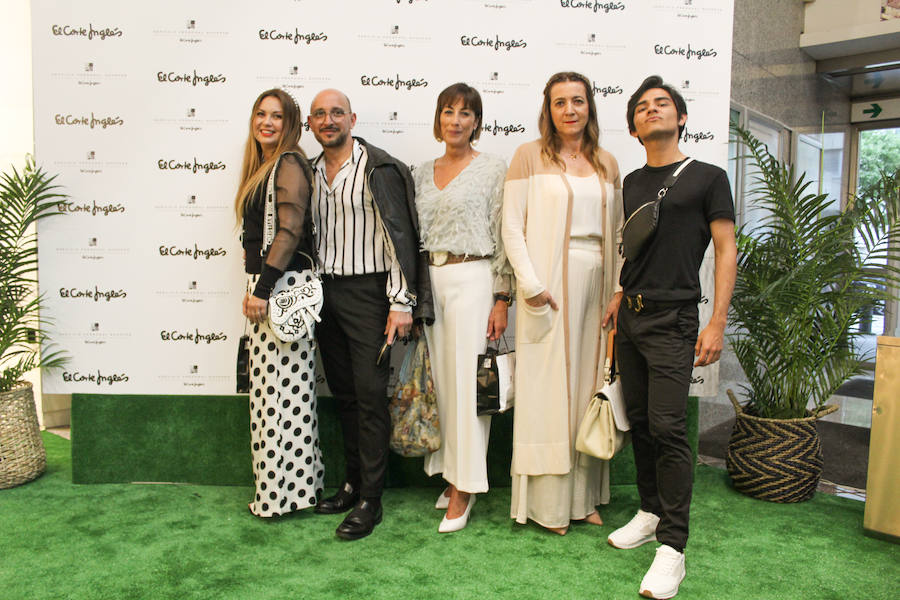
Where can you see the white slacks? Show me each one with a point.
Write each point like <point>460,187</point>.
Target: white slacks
<point>554,500</point>
<point>463,299</point>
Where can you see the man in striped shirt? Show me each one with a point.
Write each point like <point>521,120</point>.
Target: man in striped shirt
<point>376,283</point>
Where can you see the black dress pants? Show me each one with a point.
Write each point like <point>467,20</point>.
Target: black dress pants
<point>655,355</point>
<point>350,337</point>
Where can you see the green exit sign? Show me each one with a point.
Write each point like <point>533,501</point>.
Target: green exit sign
<point>875,110</point>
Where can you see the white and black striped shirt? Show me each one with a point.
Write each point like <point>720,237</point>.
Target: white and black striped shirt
<point>351,237</point>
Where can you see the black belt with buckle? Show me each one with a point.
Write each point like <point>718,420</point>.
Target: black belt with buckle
<point>638,303</point>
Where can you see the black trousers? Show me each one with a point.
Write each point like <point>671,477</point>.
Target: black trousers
<point>655,355</point>
<point>350,337</point>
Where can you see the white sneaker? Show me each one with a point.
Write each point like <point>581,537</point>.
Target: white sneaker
<point>665,574</point>
<point>639,530</point>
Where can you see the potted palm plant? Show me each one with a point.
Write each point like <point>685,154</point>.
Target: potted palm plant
<point>806,276</point>
<point>24,198</point>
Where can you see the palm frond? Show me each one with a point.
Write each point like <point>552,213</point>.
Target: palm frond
<point>805,277</point>
<point>25,198</point>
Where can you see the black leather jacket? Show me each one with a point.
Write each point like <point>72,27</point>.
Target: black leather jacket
<point>394,192</point>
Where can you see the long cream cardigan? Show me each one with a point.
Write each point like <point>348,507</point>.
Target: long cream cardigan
<point>537,212</point>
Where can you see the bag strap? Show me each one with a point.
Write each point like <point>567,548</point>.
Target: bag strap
<point>495,348</point>
<point>672,178</point>
<point>269,224</point>
<point>609,366</point>
<point>612,333</point>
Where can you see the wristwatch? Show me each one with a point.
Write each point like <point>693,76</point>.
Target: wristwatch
<point>505,297</point>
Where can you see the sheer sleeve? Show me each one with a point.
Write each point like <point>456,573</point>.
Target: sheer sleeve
<point>292,198</point>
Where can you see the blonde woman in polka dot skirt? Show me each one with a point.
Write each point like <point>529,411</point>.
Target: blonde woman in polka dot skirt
<point>284,437</point>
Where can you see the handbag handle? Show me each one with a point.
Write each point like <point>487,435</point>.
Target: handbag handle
<point>496,350</point>
<point>609,365</point>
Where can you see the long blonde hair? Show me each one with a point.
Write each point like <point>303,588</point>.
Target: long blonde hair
<point>550,142</point>
<point>254,170</point>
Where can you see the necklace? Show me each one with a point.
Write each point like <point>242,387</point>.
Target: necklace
<point>573,155</point>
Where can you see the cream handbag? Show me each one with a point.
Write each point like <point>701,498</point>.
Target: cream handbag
<point>603,431</point>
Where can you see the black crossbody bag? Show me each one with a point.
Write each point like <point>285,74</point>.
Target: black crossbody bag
<point>641,226</point>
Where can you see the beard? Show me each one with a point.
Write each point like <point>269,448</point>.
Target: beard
<point>334,142</point>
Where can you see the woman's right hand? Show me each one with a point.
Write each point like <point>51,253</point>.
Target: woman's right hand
<point>542,299</point>
<point>254,308</point>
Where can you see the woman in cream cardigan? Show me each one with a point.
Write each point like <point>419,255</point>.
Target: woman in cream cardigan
<point>562,211</point>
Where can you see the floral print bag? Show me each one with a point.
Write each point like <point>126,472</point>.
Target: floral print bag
<point>415,428</point>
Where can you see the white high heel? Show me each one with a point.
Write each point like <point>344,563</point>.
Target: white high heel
<point>443,500</point>
<point>450,525</point>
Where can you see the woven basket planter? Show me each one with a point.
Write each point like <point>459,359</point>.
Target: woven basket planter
<point>22,455</point>
<point>779,460</point>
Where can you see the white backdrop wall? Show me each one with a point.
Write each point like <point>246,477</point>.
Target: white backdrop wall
<point>143,110</point>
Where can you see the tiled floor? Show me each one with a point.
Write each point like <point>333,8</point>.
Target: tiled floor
<point>63,432</point>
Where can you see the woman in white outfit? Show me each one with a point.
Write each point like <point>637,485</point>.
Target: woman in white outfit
<point>459,199</point>
<point>562,208</point>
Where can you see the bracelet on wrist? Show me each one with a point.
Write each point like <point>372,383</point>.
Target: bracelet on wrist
<point>504,297</point>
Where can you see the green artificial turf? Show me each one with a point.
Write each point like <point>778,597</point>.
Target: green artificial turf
<point>206,440</point>
<point>126,541</point>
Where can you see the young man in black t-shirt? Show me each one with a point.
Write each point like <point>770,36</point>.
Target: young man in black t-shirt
<point>657,343</point>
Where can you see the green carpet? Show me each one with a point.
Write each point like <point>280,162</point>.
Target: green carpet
<point>206,440</point>
<point>123,541</point>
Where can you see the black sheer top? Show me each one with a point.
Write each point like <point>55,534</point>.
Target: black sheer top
<point>293,225</point>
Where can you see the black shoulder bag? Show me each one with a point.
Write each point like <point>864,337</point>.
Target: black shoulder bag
<point>641,226</point>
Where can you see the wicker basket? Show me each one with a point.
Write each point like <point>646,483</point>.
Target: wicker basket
<point>22,455</point>
<point>779,460</point>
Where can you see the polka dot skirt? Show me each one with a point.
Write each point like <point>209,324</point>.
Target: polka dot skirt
<point>284,430</point>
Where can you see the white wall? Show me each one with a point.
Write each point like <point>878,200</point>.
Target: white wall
<point>16,110</point>
<point>16,114</point>
<point>839,28</point>
<point>827,15</point>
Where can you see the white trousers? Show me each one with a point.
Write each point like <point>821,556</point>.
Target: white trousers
<point>554,500</point>
<point>463,299</point>
<point>284,430</point>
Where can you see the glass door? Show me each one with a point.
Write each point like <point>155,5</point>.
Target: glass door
<point>878,150</point>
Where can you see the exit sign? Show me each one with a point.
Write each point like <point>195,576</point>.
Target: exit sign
<point>875,110</point>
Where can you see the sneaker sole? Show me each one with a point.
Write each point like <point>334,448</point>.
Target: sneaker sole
<point>649,594</point>
<point>645,540</point>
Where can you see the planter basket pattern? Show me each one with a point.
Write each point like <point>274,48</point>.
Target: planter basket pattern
<point>22,455</point>
<point>779,460</point>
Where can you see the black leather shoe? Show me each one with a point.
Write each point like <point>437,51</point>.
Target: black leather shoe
<point>360,522</point>
<point>343,501</point>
